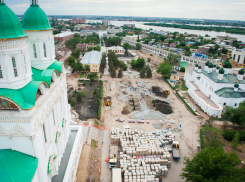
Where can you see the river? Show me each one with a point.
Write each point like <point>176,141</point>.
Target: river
<point>147,27</point>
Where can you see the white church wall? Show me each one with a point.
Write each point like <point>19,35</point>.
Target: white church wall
<point>5,142</point>
<point>22,144</point>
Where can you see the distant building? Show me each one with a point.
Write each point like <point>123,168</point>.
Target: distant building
<point>83,47</point>
<point>203,50</point>
<point>102,30</point>
<point>226,38</point>
<point>63,30</point>
<point>93,59</point>
<point>117,50</point>
<point>129,25</point>
<point>174,44</point>
<point>238,55</point>
<point>63,36</point>
<point>87,32</point>
<point>80,27</point>
<point>114,30</point>
<point>106,22</point>
<point>77,21</point>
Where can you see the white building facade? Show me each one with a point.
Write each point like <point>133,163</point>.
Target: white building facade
<point>214,88</point>
<point>34,111</point>
<point>238,55</point>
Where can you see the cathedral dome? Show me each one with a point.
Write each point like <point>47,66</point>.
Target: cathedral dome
<point>35,19</point>
<point>10,26</point>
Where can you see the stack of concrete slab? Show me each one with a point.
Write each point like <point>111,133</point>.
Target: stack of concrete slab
<point>142,156</point>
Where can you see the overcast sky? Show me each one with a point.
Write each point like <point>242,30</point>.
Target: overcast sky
<point>208,9</point>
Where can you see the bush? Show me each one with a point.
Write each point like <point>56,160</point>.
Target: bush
<point>79,97</point>
<point>83,93</point>
<point>182,69</point>
<point>73,103</point>
<point>99,111</point>
<point>101,92</point>
<point>170,85</point>
<point>242,135</point>
<point>186,104</point>
<point>201,138</point>
<point>95,91</point>
<point>229,134</point>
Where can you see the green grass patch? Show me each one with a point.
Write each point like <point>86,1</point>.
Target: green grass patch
<point>93,143</point>
<point>96,122</point>
<point>201,138</point>
<point>183,87</point>
<point>81,75</point>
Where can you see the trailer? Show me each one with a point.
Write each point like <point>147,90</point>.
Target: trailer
<point>176,150</point>
<point>116,175</point>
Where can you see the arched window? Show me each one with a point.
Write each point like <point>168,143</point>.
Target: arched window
<point>1,74</point>
<point>44,133</point>
<point>44,49</point>
<point>14,67</point>
<point>35,50</point>
<point>235,104</point>
<point>224,104</point>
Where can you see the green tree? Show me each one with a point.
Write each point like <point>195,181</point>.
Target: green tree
<point>92,77</point>
<point>149,59</point>
<point>113,73</point>
<point>127,46</point>
<point>172,58</point>
<point>211,165</point>
<point>120,73</point>
<point>142,73</point>
<point>95,91</point>
<point>149,72</point>
<point>140,63</point>
<point>224,50</point>
<point>71,62</point>
<point>212,137</point>
<point>79,97</point>
<point>83,93</point>
<point>236,140</point>
<point>133,63</point>
<point>84,83</point>
<point>164,69</point>
<point>187,53</point>
<point>87,67</point>
<point>138,46</point>
<point>235,115</point>
<point>73,103</point>
<point>182,69</point>
<point>76,53</point>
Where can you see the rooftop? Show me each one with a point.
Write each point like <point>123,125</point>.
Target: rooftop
<point>227,78</point>
<point>16,166</point>
<point>92,57</point>
<point>230,93</point>
<point>114,47</point>
<point>103,28</point>
<point>64,34</point>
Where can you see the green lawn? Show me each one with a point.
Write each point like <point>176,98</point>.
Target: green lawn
<point>93,143</point>
<point>81,75</point>
<point>183,87</point>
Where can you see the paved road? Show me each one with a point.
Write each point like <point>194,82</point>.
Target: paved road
<point>105,171</point>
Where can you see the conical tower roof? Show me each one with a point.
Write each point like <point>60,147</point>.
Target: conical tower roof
<point>10,26</point>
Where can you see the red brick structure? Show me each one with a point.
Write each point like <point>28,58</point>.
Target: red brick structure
<point>77,21</point>
<point>63,36</point>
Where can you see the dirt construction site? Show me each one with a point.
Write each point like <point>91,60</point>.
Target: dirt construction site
<point>185,126</point>
<point>143,106</point>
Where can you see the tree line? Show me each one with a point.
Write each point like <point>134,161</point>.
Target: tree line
<point>216,29</point>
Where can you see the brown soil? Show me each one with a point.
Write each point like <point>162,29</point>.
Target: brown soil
<point>164,107</point>
<point>95,164</point>
<point>83,166</point>
<point>148,100</point>
<point>88,107</point>
<point>126,110</point>
<point>159,92</point>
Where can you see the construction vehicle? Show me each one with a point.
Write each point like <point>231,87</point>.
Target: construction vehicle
<point>151,54</point>
<point>167,92</point>
<point>108,102</point>
<point>176,150</point>
<point>113,157</point>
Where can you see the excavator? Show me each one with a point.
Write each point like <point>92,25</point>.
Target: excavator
<point>108,102</point>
